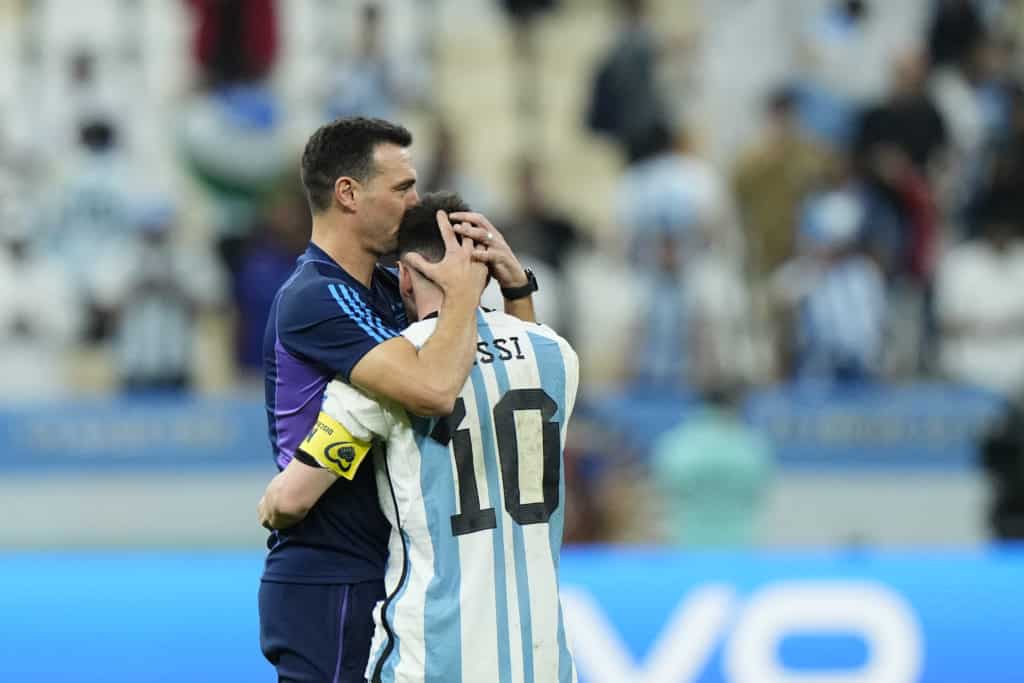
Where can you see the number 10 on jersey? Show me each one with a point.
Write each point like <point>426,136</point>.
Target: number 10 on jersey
<point>545,451</point>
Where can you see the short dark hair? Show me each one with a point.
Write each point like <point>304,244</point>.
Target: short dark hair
<point>344,147</point>
<point>419,231</point>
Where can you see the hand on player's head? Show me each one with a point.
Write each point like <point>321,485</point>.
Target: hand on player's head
<point>491,248</point>
<point>457,271</point>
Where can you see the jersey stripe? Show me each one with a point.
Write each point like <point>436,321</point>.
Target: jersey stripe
<point>494,496</point>
<point>480,603</point>
<point>551,366</point>
<point>371,318</point>
<point>518,545</point>
<point>444,590</point>
<point>354,314</point>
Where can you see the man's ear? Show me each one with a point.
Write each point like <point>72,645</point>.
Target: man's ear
<point>404,279</point>
<point>345,191</point>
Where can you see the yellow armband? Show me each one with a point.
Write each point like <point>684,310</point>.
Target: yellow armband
<point>334,447</point>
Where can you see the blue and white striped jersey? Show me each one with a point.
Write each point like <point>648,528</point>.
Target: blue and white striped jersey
<point>476,502</point>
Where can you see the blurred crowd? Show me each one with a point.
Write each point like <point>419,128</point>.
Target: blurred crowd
<point>871,229</point>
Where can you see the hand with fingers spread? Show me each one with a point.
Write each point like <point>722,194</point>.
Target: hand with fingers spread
<point>458,273</point>
<point>491,249</point>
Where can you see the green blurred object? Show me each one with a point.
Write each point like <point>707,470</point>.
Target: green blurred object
<point>712,471</point>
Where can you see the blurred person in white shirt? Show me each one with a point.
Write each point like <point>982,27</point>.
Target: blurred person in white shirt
<point>40,317</point>
<point>153,290</point>
<point>980,304</point>
<point>678,190</point>
<point>94,210</point>
<point>833,296</point>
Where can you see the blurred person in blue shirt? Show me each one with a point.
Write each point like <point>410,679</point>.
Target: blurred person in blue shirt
<point>265,262</point>
<point>713,472</point>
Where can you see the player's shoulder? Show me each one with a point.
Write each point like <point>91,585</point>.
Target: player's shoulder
<point>315,293</point>
<point>419,332</point>
<point>499,321</point>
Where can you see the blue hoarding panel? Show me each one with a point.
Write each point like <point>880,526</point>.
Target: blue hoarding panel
<point>918,425</point>
<point>921,425</point>
<point>636,616</point>
<point>126,433</point>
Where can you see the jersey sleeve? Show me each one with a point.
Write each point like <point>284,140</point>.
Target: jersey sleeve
<point>348,423</point>
<point>330,326</point>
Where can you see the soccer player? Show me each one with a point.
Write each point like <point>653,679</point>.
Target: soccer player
<point>475,499</point>
<point>338,315</point>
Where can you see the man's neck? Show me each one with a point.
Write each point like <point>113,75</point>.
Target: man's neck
<point>340,242</point>
<point>428,299</point>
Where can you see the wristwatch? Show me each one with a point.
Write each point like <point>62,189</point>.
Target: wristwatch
<point>521,291</point>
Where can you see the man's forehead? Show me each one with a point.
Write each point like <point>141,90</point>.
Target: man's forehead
<point>390,158</point>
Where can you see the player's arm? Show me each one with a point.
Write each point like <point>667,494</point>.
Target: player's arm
<point>428,380</point>
<point>292,493</point>
<point>493,250</point>
<point>334,449</point>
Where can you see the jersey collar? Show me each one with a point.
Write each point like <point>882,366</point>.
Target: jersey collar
<point>435,314</point>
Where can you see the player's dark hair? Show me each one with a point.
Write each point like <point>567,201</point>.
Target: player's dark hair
<point>419,232</point>
<point>344,147</point>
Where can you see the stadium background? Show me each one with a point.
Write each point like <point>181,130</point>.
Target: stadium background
<point>747,199</point>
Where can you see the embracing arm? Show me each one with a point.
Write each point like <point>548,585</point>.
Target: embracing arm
<point>428,380</point>
<point>291,494</point>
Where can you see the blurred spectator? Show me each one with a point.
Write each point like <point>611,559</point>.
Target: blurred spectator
<point>721,319</point>
<point>980,304</point>
<point>524,15</point>
<point>154,290</point>
<point>846,51</point>
<point>713,473</point>
<point>900,225</point>
<point>527,10</point>
<point>40,318</point>
<point>1002,455</point>
<point>771,179</point>
<point>232,134</point>
<point>969,97</point>
<point>235,40</point>
<point>1003,158</point>
<point>444,170</point>
<point>680,229</point>
<point>92,211</point>
<point>235,144</point>
<point>901,146</point>
<point>543,238</point>
<point>625,103</point>
<point>366,84</point>
<point>956,26</point>
<point>907,118</point>
<point>677,191</point>
<point>538,228</point>
<point>664,344</point>
<point>265,263</point>
<point>832,294</point>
